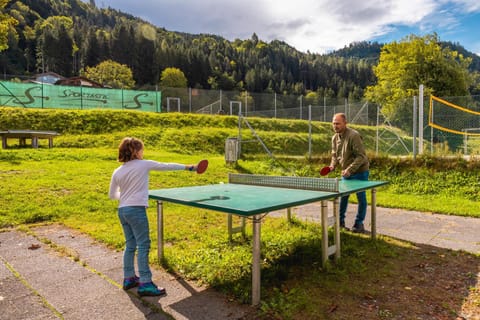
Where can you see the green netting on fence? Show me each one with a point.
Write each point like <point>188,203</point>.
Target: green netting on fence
<point>39,95</point>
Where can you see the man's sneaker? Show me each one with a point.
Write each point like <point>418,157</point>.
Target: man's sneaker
<point>358,228</point>
<point>129,283</point>
<point>342,225</point>
<point>150,289</point>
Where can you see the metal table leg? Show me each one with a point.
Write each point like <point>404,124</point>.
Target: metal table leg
<point>324,232</point>
<point>160,231</point>
<point>256,260</point>
<point>336,215</point>
<point>374,213</point>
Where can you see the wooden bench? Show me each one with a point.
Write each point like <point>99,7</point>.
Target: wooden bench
<point>23,135</point>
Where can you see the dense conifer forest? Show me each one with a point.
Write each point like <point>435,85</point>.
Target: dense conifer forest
<point>66,36</point>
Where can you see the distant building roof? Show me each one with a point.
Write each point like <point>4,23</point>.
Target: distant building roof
<point>78,81</point>
<point>47,77</point>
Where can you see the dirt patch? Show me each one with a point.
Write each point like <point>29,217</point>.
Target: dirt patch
<point>389,279</point>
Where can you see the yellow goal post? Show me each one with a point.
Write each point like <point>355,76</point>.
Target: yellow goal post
<point>449,117</point>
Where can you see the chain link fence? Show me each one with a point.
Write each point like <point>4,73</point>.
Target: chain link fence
<point>399,131</point>
<point>272,105</point>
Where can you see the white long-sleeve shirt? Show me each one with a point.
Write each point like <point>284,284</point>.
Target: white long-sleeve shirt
<point>129,182</point>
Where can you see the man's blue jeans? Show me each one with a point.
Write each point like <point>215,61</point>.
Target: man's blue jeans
<point>361,197</point>
<point>135,228</point>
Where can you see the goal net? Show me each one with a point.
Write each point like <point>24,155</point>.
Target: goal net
<point>450,117</point>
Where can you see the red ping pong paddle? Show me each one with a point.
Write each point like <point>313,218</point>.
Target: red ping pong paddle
<point>202,166</point>
<point>325,170</point>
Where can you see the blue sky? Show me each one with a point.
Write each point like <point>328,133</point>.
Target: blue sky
<point>318,26</point>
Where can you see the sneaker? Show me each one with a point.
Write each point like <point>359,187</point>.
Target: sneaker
<point>150,289</point>
<point>129,283</point>
<point>358,228</point>
<point>342,226</point>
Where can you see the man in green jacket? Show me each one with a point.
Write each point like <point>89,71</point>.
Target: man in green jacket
<point>349,153</point>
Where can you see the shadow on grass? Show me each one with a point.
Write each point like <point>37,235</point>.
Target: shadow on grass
<point>382,279</point>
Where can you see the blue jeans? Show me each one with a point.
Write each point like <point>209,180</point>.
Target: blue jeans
<point>361,197</point>
<point>135,228</point>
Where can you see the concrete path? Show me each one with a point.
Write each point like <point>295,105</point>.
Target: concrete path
<point>58,273</point>
<point>450,232</point>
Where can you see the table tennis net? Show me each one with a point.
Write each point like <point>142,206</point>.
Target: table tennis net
<point>304,183</point>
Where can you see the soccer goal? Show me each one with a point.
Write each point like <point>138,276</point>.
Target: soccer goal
<point>452,118</point>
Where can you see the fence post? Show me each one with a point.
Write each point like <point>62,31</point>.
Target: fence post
<point>239,140</point>
<point>377,142</point>
<point>347,112</point>
<point>246,103</point>
<point>324,109</point>
<point>301,107</point>
<point>414,141</point>
<point>420,119</point>
<point>190,100</point>
<point>309,131</point>
<point>123,103</point>
<point>275,104</point>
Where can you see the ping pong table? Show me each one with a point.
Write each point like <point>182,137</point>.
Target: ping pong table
<point>254,196</point>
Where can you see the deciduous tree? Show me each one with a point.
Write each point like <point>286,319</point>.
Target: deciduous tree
<point>112,74</point>
<point>173,78</point>
<point>6,25</point>
<point>415,60</point>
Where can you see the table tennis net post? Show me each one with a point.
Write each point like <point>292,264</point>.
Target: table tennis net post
<point>303,183</point>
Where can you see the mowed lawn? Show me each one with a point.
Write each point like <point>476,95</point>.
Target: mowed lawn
<point>386,279</point>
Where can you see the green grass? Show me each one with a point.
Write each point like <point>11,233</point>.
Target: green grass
<point>69,184</point>
<point>181,132</point>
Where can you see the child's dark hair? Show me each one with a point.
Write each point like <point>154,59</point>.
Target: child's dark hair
<point>129,149</point>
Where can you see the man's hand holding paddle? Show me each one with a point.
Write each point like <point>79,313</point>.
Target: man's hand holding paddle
<point>326,170</point>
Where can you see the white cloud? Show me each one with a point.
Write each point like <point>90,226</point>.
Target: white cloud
<point>332,25</point>
<point>467,6</point>
<point>314,25</point>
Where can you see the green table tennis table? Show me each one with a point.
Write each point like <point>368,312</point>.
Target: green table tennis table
<point>254,196</point>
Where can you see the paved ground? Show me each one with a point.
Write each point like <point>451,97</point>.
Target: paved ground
<point>81,278</point>
<point>450,232</point>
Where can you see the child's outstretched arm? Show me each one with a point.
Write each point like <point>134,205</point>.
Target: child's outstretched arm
<point>199,168</point>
